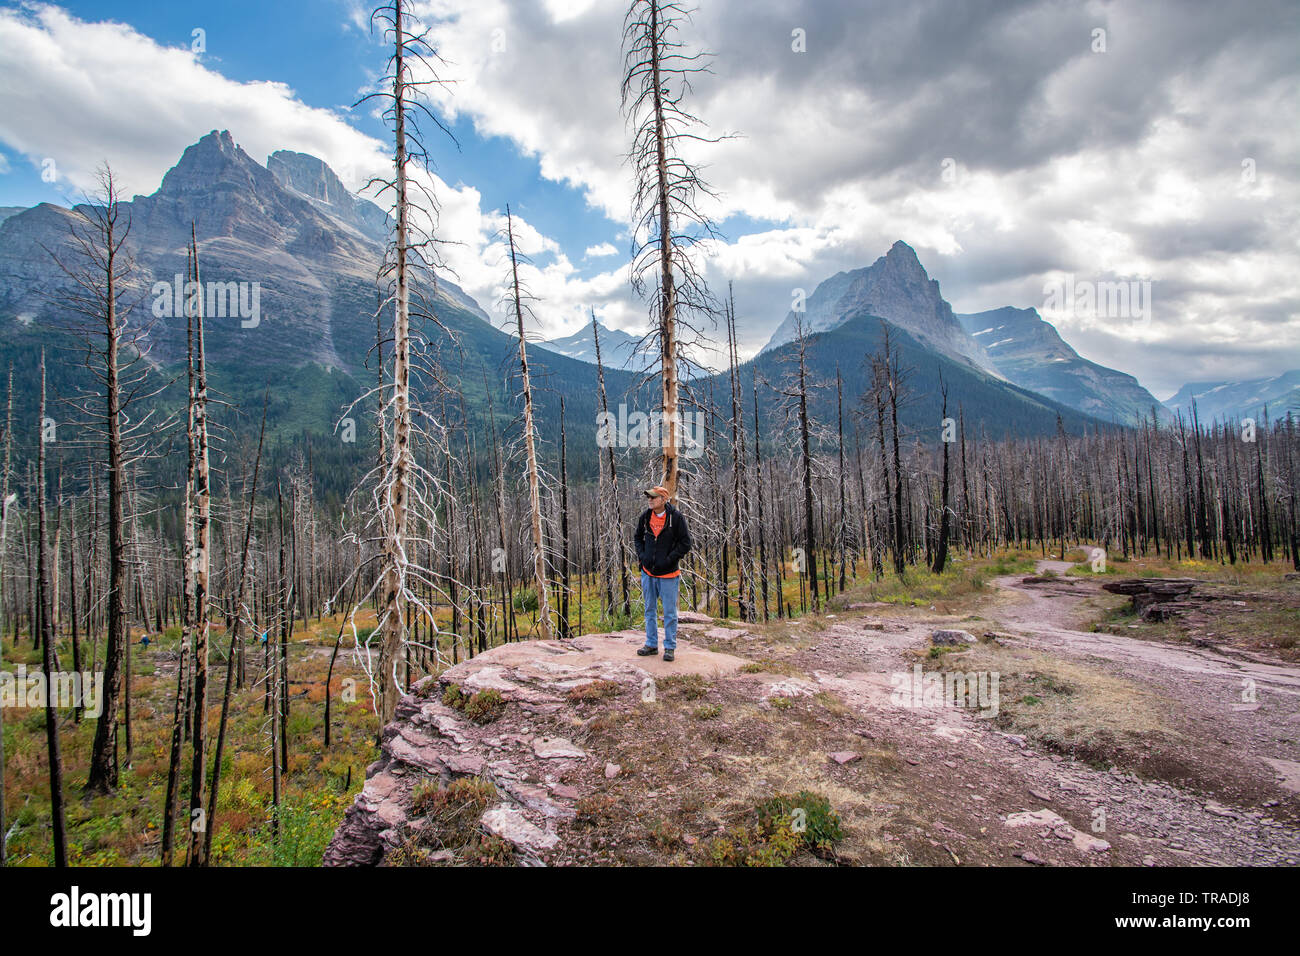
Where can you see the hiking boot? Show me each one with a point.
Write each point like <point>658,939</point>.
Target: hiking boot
<point>647,651</point>
<point>668,656</point>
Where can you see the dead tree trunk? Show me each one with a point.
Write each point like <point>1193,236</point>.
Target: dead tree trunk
<point>57,822</point>
<point>530,445</point>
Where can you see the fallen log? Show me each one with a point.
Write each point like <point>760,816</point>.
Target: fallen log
<point>1160,589</point>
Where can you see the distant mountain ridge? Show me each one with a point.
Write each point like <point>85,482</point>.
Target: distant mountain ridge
<point>1030,352</point>
<point>1221,401</point>
<point>315,250</point>
<point>617,348</point>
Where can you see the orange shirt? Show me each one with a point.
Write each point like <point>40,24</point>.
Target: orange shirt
<point>657,525</point>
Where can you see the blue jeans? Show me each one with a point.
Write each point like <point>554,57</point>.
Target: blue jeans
<point>656,590</point>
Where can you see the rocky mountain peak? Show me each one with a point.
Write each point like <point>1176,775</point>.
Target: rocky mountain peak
<point>313,179</point>
<point>902,258</point>
<point>896,288</point>
<point>309,176</point>
<point>215,159</point>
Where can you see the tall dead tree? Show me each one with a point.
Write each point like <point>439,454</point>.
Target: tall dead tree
<point>666,215</point>
<point>739,474</point>
<point>57,822</point>
<point>613,501</point>
<point>515,302</point>
<point>98,266</point>
<point>180,718</point>
<point>202,512</point>
<point>404,495</point>
<point>795,392</point>
<point>5,502</point>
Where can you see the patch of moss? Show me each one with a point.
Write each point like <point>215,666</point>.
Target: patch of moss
<point>596,690</point>
<point>939,650</point>
<point>482,707</point>
<point>769,665</point>
<point>689,686</point>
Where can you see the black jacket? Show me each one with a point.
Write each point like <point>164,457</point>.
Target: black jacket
<point>661,555</point>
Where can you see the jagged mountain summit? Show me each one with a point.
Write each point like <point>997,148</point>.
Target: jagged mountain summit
<point>1223,401</point>
<point>895,287</point>
<point>1011,344</point>
<point>288,236</point>
<point>1030,352</point>
<point>617,348</point>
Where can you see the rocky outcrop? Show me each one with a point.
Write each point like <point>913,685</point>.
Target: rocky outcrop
<point>949,637</point>
<point>897,288</point>
<point>1156,599</point>
<point>527,753</point>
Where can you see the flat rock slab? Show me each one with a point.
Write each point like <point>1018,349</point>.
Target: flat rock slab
<point>1053,823</point>
<point>595,655</point>
<point>790,687</point>
<point>511,825</point>
<point>693,617</point>
<point>557,747</point>
<point>1288,772</point>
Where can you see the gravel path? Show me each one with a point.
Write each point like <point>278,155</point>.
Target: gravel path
<point>997,796</point>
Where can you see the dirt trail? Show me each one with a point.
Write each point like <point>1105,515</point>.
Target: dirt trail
<point>996,795</point>
<point>1044,612</point>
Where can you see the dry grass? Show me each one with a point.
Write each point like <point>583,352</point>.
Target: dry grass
<point>1069,707</point>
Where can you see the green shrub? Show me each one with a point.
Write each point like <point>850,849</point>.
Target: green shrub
<point>485,706</point>
<point>451,816</point>
<point>453,696</point>
<point>482,708</point>
<point>808,815</point>
<point>300,834</point>
<point>782,825</point>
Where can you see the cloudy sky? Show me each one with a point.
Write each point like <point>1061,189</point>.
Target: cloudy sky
<point>1017,146</point>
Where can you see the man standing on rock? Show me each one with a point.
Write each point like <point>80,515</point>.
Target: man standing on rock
<point>661,540</point>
